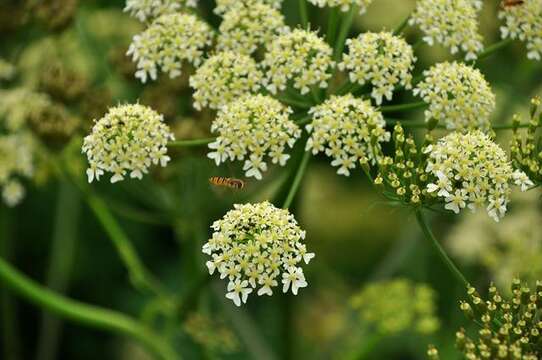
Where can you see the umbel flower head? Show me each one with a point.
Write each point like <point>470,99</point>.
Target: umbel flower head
<point>144,10</point>
<point>381,59</point>
<point>470,170</point>
<point>223,6</point>
<point>249,25</point>
<point>452,23</point>
<point>524,22</point>
<point>257,246</point>
<point>348,130</point>
<point>251,128</point>
<point>344,5</point>
<point>300,59</point>
<point>16,161</point>
<point>170,40</point>
<point>224,77</point>
<point>128,139</point>
<point>396,306</point>
<point>509,328</point>
<point>526,150</point>
<point>458,95</point>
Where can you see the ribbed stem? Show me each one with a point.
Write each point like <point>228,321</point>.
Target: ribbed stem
<point>403,107</point>
<point>297,180</point>
<point>332,26</point>
<point>493,48</point>
<point>399,29</point>
<point>61,260</point>
<point>84,314</point>
<point>343,32</point>
<point>440,250</point>
<point>303,13</point>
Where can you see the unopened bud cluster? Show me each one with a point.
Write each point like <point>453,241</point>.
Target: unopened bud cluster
<point>396,306</point>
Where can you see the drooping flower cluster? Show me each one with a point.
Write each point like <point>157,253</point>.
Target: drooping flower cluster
<point>470,170</point>
<point>348,130</point>
<point>248,26</point>
<point>402,176</point>
<point>300,59</point>
<point>458,95</point>
<point>452,23</point>
<point>224,77</point>
<point>524,22</point>
<point>381,59</point>
<point>396,306</point>
<point>344,5</point>
<point>169,41</point>
<point>510,248</point>
<point>256,246</point>
<point>510,327</point>
<point>128,139</point>
<point>251,128</point>
<point>144,10</point>
<point>526,151</point>
<point>16,160</point>
<point>223,6</point>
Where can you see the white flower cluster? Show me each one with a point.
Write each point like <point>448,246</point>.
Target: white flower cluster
<point>144,10</point>
<point>458,95</point>
<point>223,6</point>
<point>470,170</point>
<point>129,138</point>
<point>248,26</point>
<point>256,246</point>
<point>382,59</point>
<point>299,58</point>
<point>16,160</point>
<point>524,22</point>
<point>344,4</point>
<point>348,130</point>
<point>250,128</point>
<point>224,77</point>
<point>167,42</point>
<point>452,23</point>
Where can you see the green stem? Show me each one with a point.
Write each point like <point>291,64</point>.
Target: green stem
<point>297,180</point>
<point>303,13</point>
<point>189,143</point>
<point>293,102</point>
<point>61,262</point>
<point>442,253</point>
<point>343,32</point>
<point>403,107</point>
<point>332,26</point>
<point>493,48</point>
<point>140,277</point>
<point>399,29</point>
<point>84,314</point>
<point>304,120</point>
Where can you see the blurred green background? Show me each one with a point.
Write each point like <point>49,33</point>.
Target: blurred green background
<point>75,52</point>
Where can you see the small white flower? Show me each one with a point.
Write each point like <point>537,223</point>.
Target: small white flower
<point>343,5</point>
<point>238,291</point>
<point>522,180</point>
<point>294,278</point>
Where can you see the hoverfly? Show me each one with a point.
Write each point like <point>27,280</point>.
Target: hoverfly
<point>511,3</point>
<point>227,182</point>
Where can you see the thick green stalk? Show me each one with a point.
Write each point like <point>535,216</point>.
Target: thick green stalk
<point>399,29</point>
<point>84,314</point>
<point>190,143</point>
<point>11,341</point>
<point>332,21</point>
<point>440,250</point>
<point>297,180</point>
<point>61,262</point>
<point>303,13</point>
<point>403,107</point>
<point>140,277</point>
<point>343,32</point>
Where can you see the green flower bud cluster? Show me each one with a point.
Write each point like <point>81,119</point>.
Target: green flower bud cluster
<point>402,176</point>
<point>509,328</point>
<point>396,306</point>
<point>526,150</point>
